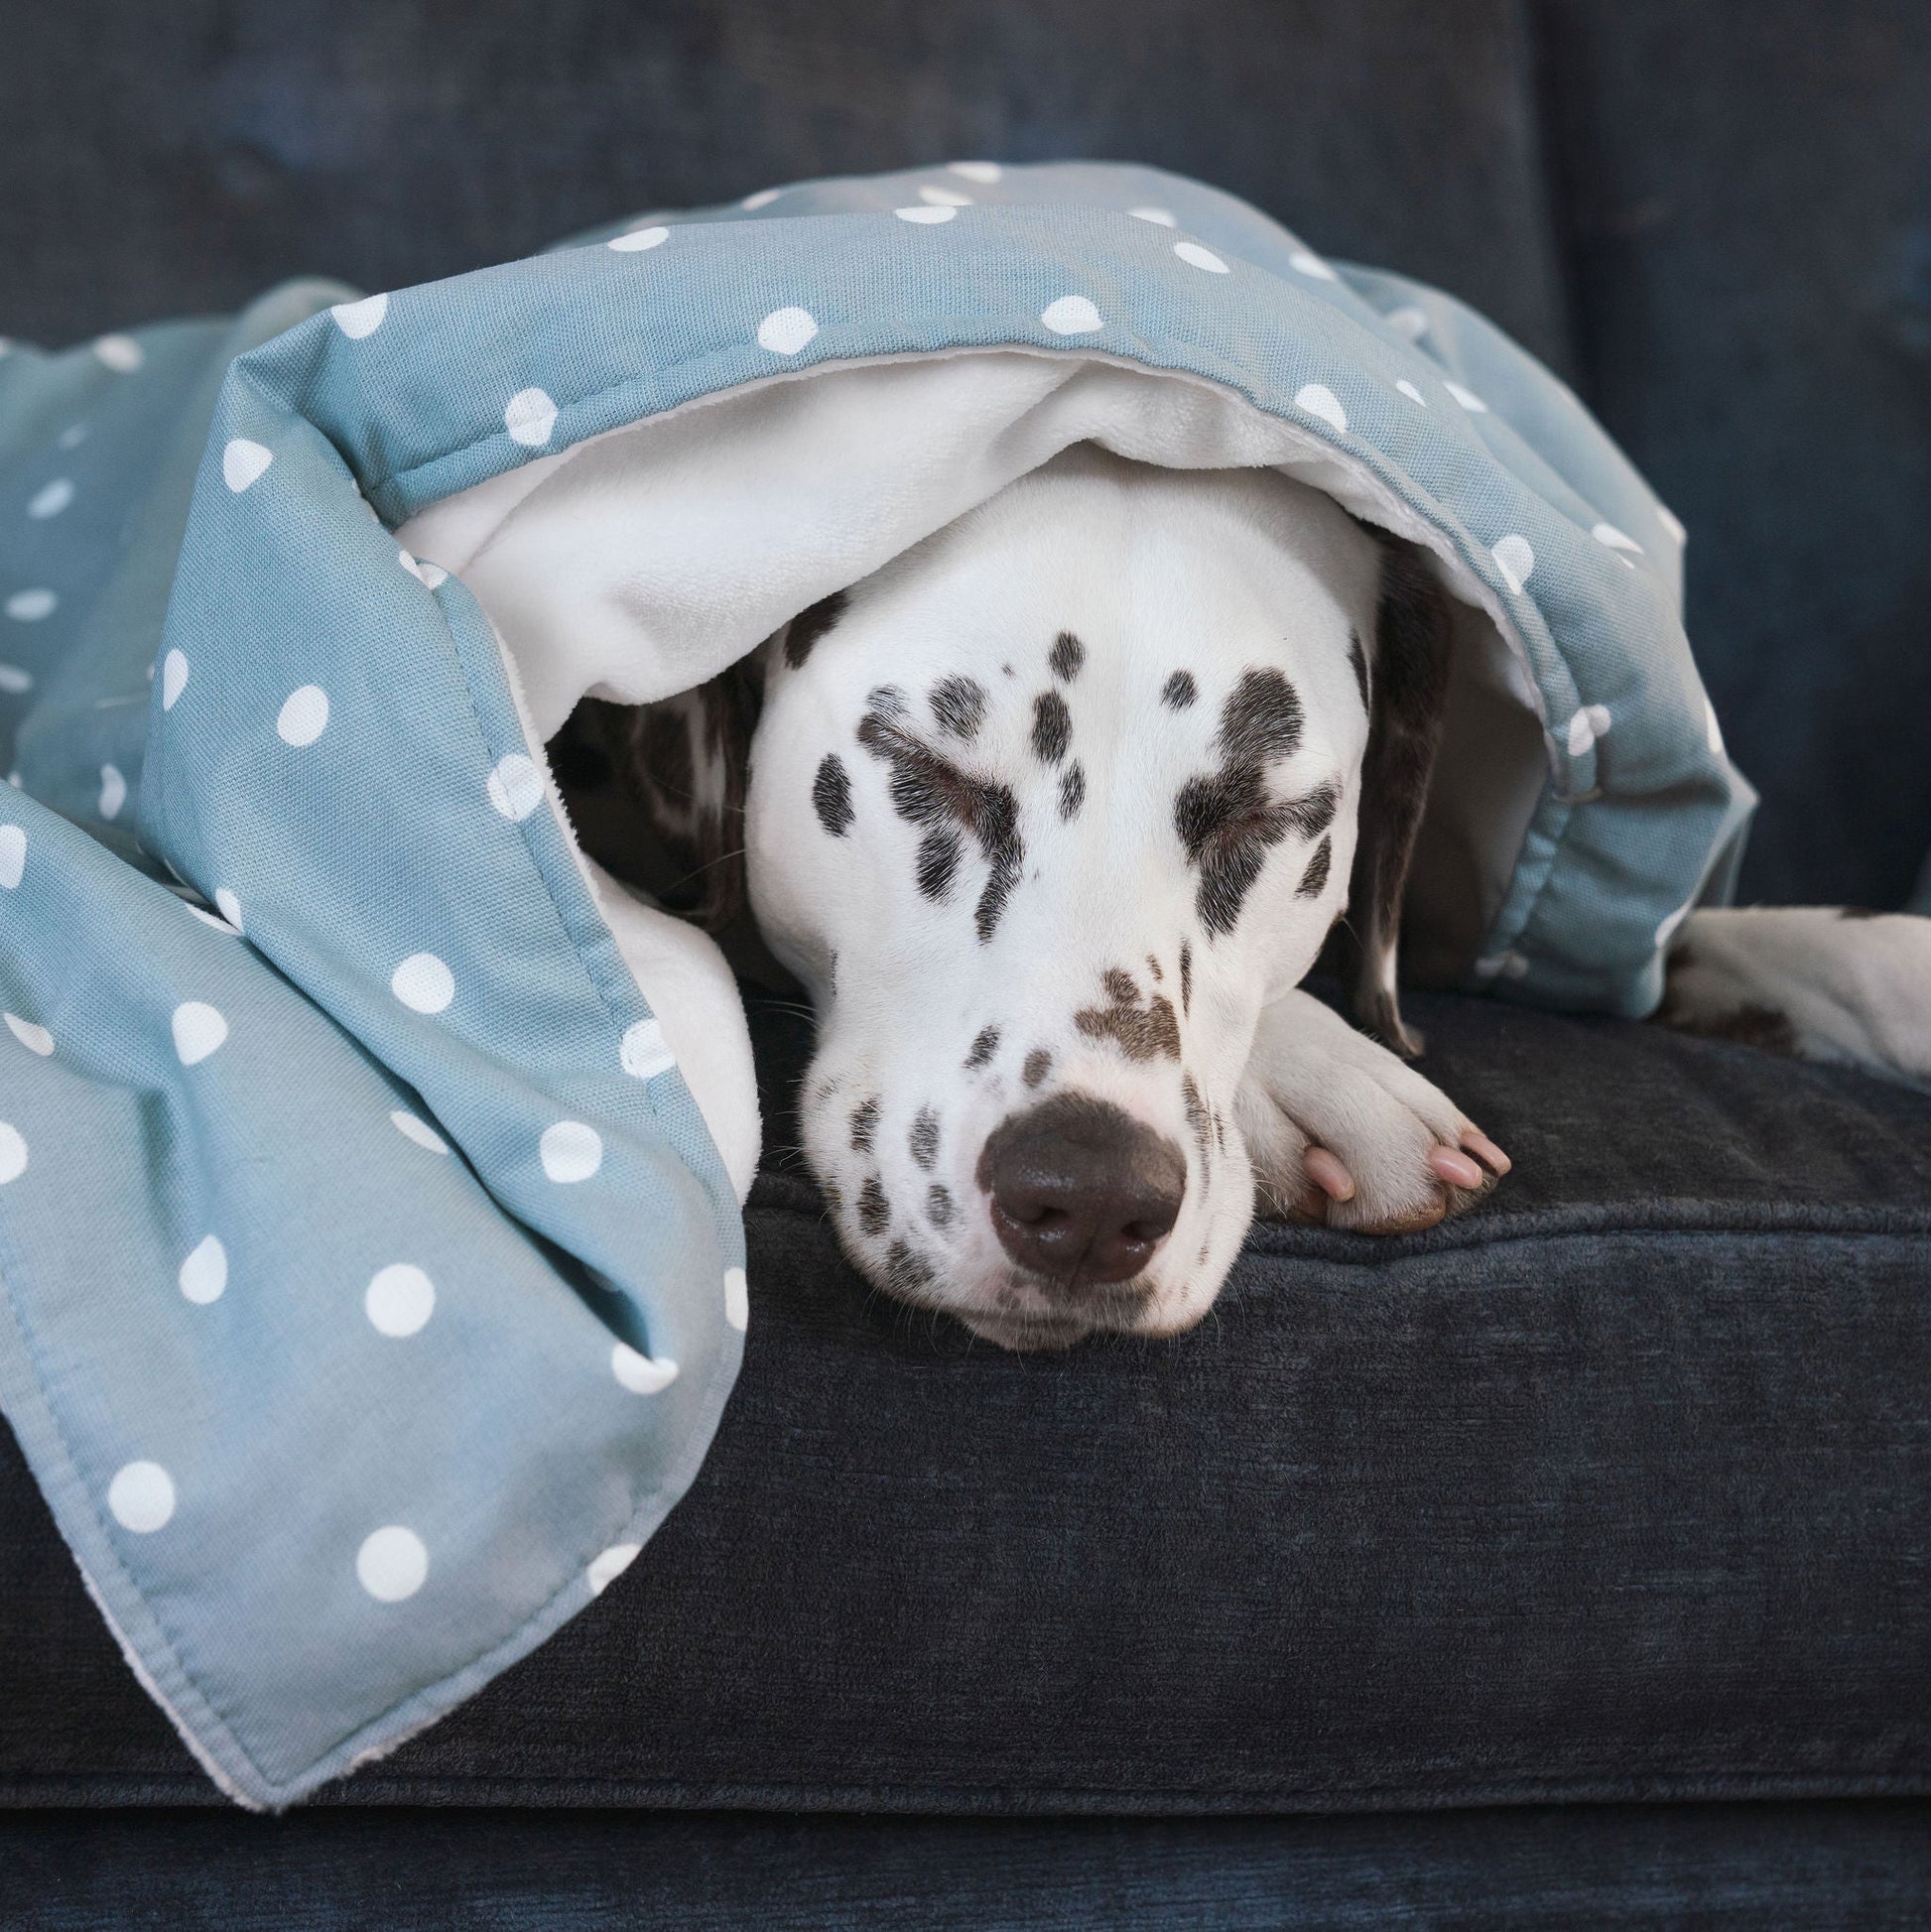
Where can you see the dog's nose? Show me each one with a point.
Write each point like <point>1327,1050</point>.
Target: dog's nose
<point>1080,1192</point>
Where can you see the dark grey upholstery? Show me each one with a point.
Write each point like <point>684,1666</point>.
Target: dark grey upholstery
<point>1618,1486</point>
<point>1620,1490</point>
<point>1800,1867</point>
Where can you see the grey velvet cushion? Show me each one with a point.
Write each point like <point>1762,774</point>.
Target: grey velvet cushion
<point>1620,1486</point>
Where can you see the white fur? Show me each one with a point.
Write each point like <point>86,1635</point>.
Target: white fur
<point>1853,990</point>
<point>1154,573</point>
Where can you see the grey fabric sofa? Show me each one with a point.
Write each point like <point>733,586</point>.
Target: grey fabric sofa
<point>1566,1564</point>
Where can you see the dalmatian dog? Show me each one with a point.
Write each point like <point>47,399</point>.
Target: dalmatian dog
<point>1051,817</point>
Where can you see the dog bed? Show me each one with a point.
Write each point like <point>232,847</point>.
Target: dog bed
<point>370,1165</point>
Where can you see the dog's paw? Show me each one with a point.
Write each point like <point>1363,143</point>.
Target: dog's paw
<point>1342,1132</point>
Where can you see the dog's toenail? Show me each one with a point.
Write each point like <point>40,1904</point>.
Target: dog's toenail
<point>1328,1174</point>
<point>1486,1150</point>
<point>1454,1167</point>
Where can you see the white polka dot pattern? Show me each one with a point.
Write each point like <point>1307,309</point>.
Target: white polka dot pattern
<point>304,717</point>
<point>244,462</point>
<point>198,1030</point>
<point>33,1037</point>
<point>1071,315</point>
<point>412,1128</point>
<point>787,330</point>
<point>1196,256</point>
<point>608,1565</point>
<point>1515,560</point>
<point>140,1498</point>
<point>423,983</point>
<point>644,1052</point>
<point>1319,400</point>
<point>515,786</point>
<point>530,418</point>
<point>204,1275</point>
<point>392,1564</point>
<point>641,1374</point>
<point>399,1300</point>
<point>359,319</point>
<point>572,1151</point>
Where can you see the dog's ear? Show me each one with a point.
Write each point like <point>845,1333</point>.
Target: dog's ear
<point>686,762</point>
<point>1406,691</point>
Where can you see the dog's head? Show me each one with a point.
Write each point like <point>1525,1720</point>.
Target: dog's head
<point>1043,813</point>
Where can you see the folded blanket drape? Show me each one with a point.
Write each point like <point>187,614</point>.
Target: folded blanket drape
<point>371,1167</point>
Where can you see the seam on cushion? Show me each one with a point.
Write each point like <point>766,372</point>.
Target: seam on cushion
<point>456,1792</point>
<point>1534,1226</point>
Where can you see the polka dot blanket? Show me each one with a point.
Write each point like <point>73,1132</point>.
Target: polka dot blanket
<point>370,1171</point>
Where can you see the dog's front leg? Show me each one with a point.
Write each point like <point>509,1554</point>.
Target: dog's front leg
<point>1341,1131</point>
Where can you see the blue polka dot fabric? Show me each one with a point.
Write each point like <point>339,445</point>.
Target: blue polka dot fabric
<point>371,1287</point>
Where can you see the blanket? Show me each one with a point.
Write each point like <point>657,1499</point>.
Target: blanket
<point>371,1262</point>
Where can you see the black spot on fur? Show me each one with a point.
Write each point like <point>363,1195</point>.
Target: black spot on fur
<point>1314,881</point>
<point>959,703</point>
<point>985,1043</point>
<point>1140,1032</point>
<point>1068,655</point>
<point>1196,1113</point>
<point>685,762</point>
<point>938,1205</point>
<point>865,1125</point>
<point>1153,967</point>
<point>874,1211</point>
<point>831,795</point>
<point>906,1271</point>
<point>923,1141</point>
<point>1761,1027</point>
<point>810,625</point>
<point>1226,820</point>
<point>938,854</point>
<point>1186,975</point>
<point>1179,690</point>
<point>1038,1064</point>
<point>1228,824</point>
<point>1073,791</point>
<point>1261,718</point>
<point>1052,727</point>
<point>1413,641</point>
<point>1357,658</point>
<point>929,790</point>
